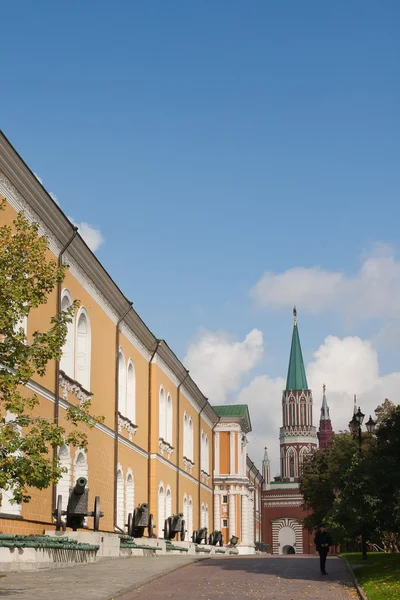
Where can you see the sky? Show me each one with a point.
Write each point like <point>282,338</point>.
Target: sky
<point>225,161</point>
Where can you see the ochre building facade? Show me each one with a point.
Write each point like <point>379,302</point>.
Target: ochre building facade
<point>156,443</point>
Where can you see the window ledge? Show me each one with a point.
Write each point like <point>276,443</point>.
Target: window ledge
<point>188,464</point>
<point>165,447</point>
<point>205,477</point>
<point>69,385</point>
<point>125,423</point>
<point>11,516</point>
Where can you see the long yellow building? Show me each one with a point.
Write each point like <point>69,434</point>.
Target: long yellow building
<point>156,444</point>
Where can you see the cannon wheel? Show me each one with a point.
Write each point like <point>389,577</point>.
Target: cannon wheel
<point>96,514</point>
<point>130,525</point>
<point>221,541</point>
<point>150,527</point>
<point>194,537</point>
<point>58,513</point>
<point>167,529</point>
<point>183,531</point>
<point>211,540</point>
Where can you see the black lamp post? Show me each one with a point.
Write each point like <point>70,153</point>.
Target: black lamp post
<point>355,428</point>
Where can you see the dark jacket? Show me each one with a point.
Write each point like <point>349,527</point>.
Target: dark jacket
<point>322,540</point>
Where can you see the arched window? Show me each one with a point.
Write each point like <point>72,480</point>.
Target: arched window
<point>120,499</point>
<point>162,415</point>
<point>83,346</point>
<point>64,483</point>
<point>121,383</point>
<point>169,420</point>
<point>302,413</point>
<point>283,473</point>
<point>292,413</point>
<point>185,435</point>
<point>203,515</point>
<point>67,359</point>
<point>168,502</point>
<point>190,439</point>
<point>206,455</point>
<point>81,466</point>
<point>189,525</point>
<point>202,448</point>
<point>130,494</point>
<point>206,515</point>
<point>291,465</point>
<point>161,510</point>
<point>131,392</point>
<point>185,510</point>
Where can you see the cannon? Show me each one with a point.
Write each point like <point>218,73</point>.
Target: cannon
<point>174,525</point>
<point>77,508</point>
<point>216,538</point>
<point>233,541</point>
<point>138,522</point>
<point>199,535</point>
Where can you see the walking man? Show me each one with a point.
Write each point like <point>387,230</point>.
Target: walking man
<point>322,542</point>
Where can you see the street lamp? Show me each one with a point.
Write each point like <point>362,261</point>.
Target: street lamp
<point>355,428</point>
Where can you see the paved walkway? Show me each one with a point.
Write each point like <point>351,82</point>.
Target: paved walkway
<point>259,578</point>
<point>99,581</point>
<point>159,578</point>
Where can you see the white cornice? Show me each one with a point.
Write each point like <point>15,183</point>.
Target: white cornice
<point>165,369</point>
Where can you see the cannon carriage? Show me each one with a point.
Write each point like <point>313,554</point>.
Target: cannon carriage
<point>216,539</point>
<point>140,520</point>
<point>200,535</point>
<point>77,508</point>
<point>173,526</point>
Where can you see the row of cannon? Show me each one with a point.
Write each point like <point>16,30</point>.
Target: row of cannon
<point>138,522</point>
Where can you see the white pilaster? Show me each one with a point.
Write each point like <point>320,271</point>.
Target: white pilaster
<point>232,514</point>
<point>232,453</point>
<point>245,520</point>
<point>251,521</point>
<point>217,512</point>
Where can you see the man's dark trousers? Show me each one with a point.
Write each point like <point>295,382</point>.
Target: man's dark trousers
<point>323,553</point>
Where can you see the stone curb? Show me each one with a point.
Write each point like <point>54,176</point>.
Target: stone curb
<point>360,591</point>
<point>123,595</point>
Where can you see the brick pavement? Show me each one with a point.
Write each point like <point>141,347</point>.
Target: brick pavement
<point>98,581</point>
<point>259,578</point>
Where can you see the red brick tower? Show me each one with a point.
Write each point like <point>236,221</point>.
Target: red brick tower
<point>282,501</point>
<point>325,432</point>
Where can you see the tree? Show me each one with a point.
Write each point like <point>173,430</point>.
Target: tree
<point>27,278</point>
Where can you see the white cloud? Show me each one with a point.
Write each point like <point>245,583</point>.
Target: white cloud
<point>347,366</point>
<point>90,234</point>
<point>374,291</point>
<point>219,364</point>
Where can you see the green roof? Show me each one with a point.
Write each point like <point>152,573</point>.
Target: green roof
<point>231,410</point>
<point>238,412</point>
<point>296,378</point>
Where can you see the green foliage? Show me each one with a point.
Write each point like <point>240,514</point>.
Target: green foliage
<point>358,494</point>
<point>380,576</point>
<point>27,278</point>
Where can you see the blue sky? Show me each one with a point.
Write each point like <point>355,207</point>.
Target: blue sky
<point>210,142</point>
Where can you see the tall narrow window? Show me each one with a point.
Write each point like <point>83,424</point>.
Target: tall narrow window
<point>168,502</point>
<point>120,500</point>
<point>130,495</point>
<point>67,358</point>
<point>131,393</point>
<point>189,525</point>
<point>185,435</point>
<point>162,414</point>
<point>161,510</point>
<point>169,420</point>
<point>302,413</point>
<point>83,343</point>
<point>64,483</point>
<point>291,465</point>
<point>202,448</point>
<point>206,515</point>
<point>121,383</point>
<point>190,439</point>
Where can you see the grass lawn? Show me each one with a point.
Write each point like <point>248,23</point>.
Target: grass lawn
<point>379,576</point>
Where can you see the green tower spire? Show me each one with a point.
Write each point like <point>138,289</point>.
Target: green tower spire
<point>296,378</point>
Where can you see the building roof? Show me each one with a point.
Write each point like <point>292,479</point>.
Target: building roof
<point>235,412</point>
<point>296,377</point>
<point>324,408</point>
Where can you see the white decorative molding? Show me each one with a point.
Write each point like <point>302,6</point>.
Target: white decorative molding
<point>125,423</point>
<point>188,464</point>
<point>165,447</point>
<point>70,386</point>
<point>205,477</point>
<point>165,369</point>
<point>228,426</point>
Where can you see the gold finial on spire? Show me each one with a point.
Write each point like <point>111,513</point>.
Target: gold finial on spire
<point>295,315</point>
<point>323,388</point>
